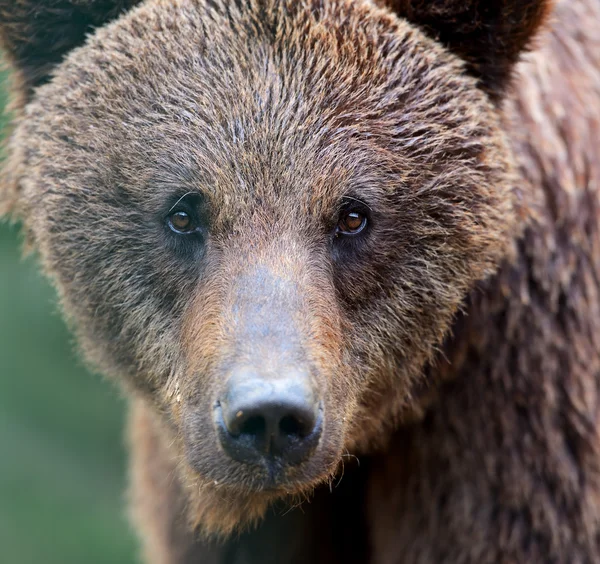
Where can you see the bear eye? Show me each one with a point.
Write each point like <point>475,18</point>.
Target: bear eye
<point>186,222</point>
<point>351,223</point>
<point>181,222</point>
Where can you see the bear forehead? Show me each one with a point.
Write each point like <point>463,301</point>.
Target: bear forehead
<point>255,99</point>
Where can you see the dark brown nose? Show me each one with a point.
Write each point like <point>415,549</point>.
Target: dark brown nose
<point>277,418</point>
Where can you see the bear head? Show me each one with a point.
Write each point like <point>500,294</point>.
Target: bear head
<point>262,215</point>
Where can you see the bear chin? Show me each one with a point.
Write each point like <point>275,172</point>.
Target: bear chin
<point>220,509</point>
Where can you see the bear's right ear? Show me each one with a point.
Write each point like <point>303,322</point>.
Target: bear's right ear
<point>36,34</point>
<point>34,37</point>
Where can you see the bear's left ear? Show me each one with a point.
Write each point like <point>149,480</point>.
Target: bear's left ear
<point>36,34</point>
<point>488,34</point>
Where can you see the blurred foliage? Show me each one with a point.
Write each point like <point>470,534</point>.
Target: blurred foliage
<point>62,469</point>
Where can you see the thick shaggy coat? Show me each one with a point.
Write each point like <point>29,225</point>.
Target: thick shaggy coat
<point>453,345</point>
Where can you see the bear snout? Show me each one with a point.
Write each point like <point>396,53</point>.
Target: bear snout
<point>277,421</point>
<point>263,348</point>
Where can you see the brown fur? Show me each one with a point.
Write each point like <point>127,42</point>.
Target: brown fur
<point>456,346</point>
<point>506,467</point>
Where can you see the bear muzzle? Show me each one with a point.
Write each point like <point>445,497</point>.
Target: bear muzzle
<point>260,414</point>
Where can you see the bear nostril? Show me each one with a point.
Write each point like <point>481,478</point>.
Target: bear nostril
<point>255,426</point>
<point>290,425</point>
<point>260,418</point>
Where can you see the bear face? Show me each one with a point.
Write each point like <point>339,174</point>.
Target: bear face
<point>290,195</point>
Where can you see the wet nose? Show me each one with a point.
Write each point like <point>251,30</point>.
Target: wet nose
<point>269,418</point>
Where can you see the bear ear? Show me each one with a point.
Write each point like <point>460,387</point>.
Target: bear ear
<point>488,34</point>
<point>34,37</point>
<point>36,34</point>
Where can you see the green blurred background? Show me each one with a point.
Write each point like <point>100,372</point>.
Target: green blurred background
<point>62,455</point>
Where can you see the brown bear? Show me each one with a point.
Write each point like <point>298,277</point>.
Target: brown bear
<point>343,255</point>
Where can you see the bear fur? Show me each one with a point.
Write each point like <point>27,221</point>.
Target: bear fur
<point>455,344</point>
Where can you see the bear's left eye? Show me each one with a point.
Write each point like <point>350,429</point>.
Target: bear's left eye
<point>351,223</point>
<point>353,219</point>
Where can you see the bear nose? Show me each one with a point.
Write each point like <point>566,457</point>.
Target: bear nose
<point>269,418</point>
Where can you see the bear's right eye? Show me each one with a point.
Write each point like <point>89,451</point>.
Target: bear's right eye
<point>180,222</point>
<point>187,216</point>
